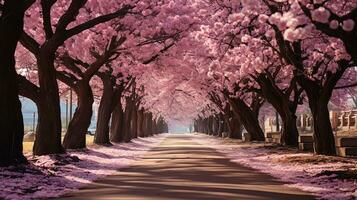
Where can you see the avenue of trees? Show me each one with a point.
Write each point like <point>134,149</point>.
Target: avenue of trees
<point>147,63</point>
<point>291,53</point>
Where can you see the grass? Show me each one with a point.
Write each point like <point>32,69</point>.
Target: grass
<point>27,146</point>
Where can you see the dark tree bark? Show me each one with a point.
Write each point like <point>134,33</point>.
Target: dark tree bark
<point>196,125</point>
<point>233,124</point>
<point>28,89</point>
<point>236,128</point>
<point>48,134</point>
<point>205,125</point>
<point>134,122</point>
<point>11,120</point>
<point>160,125</point>
<point>221,124</point>
<point>320,89</point>
<point>202,126</point>
<point>284,106</point>
<point>319,96</point>
<point>109,102</point>
<point>213,126</point>
<point>75,137</point>
<point>154,126</point>
<point>145,124</point>
<point>324,140</point>
<point>105,110</point>
<point>210,125</point>
<point>116,134</point>
<point>127,127</point>
<point>248,117</point>
<point>78,126</point>
<point>149,124</point>
<point>140,131</point>
<point>214,123</point>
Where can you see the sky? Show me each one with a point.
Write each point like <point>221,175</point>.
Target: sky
<point>29,108</point>
<point>178,128</point>
<point>29,112</point>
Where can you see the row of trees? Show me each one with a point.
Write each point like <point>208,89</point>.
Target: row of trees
<point>284,53</point>
<point>97,48</point>
<point>173,61</point>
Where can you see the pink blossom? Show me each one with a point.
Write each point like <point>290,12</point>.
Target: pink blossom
<point>334,24</point>
<point>147,12</point>
<point>348,25</point>
<point>321,15</point>
<point>275,18</point>
<point>293,34</point>
<point>263,18</point>
<point>246,38</point>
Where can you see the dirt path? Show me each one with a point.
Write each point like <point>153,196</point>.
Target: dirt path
<point>182,169</point>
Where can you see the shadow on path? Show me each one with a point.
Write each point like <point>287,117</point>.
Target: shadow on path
<point>182,169</point>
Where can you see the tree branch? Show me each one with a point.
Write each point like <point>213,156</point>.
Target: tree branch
<point>69,63</point>
<point>346,86</point>
<point>67,78</point>
<point>70,15</point>
<point>30,43</point>
<point>46,12</point>
<point>28,89</point>
<point>93,22</point>
<point>153,58</point>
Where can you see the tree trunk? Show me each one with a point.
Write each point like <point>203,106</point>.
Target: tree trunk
<point>248,119</point>
<point>289,133</point>
<point>201,126</point>
<point>220,124</point>
<point>149,124</point>
<point>319,97</point>
<point>215,125</point>
<point>48,136</point>
<point>11,120</point>
<point>116,134</point>
<point>324,140</point>
<point>153,126</point>
<point>285,107</point>
<point>205,125</point>
<point>140,120</point>
<point>134,122</point>
<point>145,124</point>
<point>210,125</point>
<point>127,123</point>
<point>105,109</point>
<point>160,125</point>
<point>233,124</point>
<point>236,128</point>
<point>75,137</point>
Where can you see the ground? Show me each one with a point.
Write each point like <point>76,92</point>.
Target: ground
<point>27,146</point>
<point>181,168</point>
<point>55,175</point>
<point>328,177</point>
<point>186,166</point>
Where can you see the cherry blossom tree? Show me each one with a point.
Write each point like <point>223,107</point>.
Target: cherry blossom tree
<point>11,121</point>
<point>319,63</point>
<point>60,21</point>
<point>287,36</point>
<point>78,126</point>
<point>149,63</point>
<point>336,19</point>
